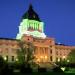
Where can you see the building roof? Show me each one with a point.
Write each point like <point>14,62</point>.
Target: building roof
<point>60,44</point>
<point>8,39</point>
<point>31,14</point>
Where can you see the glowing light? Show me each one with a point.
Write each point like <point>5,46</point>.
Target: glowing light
<point>45,57</point>
<point>59,43</point>
<point>38,60</point>
<point>63,68</point>
<point>68,60</point>
<point>58,59</point>
<point>63,57</point>
<point>41,56</point>
<point>26,23</point>
<point>5,58</point>
<point>16,59</point>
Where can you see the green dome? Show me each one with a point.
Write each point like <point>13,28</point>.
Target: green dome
<point>31,14</point>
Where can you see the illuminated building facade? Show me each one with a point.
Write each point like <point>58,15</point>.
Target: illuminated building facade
<point>31,29</point>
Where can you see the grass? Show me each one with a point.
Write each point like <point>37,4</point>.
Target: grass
<point>45,73</point>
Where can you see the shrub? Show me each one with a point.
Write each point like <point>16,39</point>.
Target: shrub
<point>25,69</point>
<point>57,69</point>
<point>42,70</point>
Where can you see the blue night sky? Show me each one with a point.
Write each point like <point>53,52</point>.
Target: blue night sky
<point>58,16</point>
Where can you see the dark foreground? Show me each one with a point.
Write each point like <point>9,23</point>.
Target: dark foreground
<point>45,73</point>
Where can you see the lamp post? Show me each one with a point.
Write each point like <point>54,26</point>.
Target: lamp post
<point>5,58</point>
<point>16,59</point>
<point>68,61</point>
<point>63,59</point>
<point>58,59</point>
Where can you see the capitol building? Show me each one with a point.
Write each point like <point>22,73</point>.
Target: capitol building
<point>31,29</point>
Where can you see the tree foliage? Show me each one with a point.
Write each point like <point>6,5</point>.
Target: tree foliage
<point>71,56</point>
<point>25,52</point>
<point>2,64</point>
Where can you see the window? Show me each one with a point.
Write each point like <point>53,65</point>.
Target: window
<point>56,58</point>
<point>35,50</point>
<point>60,59</point>
<point>7,43</point>
<point>60,53</point>
<point>12,58</point>
<point>12,44</point>
<point>41,50</point>
<point>50,58</point>
<point>6,58</point>
<point>28,38</point>
<point>46,50</point>
<point>50,51</point>
<point>50,41</point>
<point>6,50</point>
<point>51,46</point>
<point>56,52</point>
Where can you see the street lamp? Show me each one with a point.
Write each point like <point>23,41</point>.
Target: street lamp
<point>68,61</point>
<point>45,57</point>
<point>5,58</point>
<point>63,57</point>
<point>16,59</point>
<point>58,59</point>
